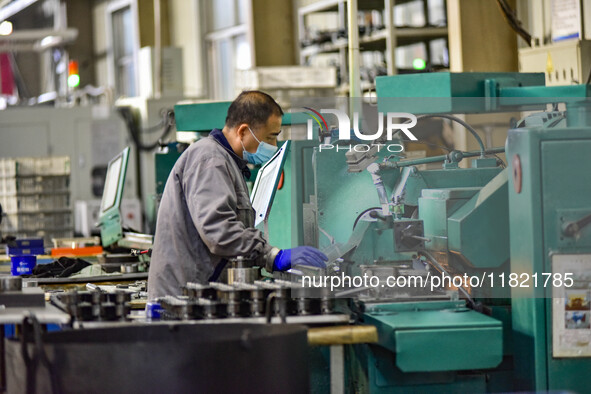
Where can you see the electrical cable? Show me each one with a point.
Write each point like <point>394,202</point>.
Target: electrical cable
<point>460,121</point>
<point>134,130</point>
<point>39,354</point>
<point>363,213</point>
<point>513,22</point>
<point>503,165</point>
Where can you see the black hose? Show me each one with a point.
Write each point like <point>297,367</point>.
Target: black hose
<point>460,121</point>
<point>512,20</point>
<point>39,355</point>
<point>135,131</point>
<point>363,213</point>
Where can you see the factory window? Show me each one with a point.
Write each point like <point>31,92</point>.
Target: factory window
<point>123,63</point>
<point>228,44</point>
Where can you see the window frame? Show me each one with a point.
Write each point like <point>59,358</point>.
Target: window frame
<point>112,8</point>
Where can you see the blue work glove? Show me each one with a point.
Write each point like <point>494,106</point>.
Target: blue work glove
<point>302,255</point>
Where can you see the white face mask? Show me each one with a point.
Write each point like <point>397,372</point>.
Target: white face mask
<point>264,152</point>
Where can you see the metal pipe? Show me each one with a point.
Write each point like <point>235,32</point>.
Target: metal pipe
<point>342,335</point>
<point>434,159</point>
<point>391,36</point>
<point>157,50</point>
<point>374,170</point>
<point>354,79</point>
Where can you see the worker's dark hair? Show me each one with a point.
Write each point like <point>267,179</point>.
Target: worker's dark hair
<point>252,107</point>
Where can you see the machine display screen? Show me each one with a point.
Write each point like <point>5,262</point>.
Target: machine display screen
<point>112,181</point>
<point>266,184</point>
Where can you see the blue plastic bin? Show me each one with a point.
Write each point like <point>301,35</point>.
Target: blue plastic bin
<point>22,264</point>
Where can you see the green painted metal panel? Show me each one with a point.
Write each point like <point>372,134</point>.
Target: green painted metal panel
<point>524,93</point>
<point>342,196</point>
<point>418,181</point>
<point>435,207</point>
<point>384,376</point>
<point>434,319</point>
<point>208,116</point>
<point>479,230</point>
<point>449,349</point>
<point>286,227</point>
<point>571,193</point>
<point>556,179</point>
<point>434,340</point>
<point>201,117</point>
<point>448,92</point>
<point>164,162</point>
<point>447,84</point>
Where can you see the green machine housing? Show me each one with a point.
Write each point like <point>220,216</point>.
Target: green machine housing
<point>499,223</point>
<point>474,220</point>
<point>549,190</point>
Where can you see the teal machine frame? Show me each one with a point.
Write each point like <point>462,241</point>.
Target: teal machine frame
<point>473,220</point>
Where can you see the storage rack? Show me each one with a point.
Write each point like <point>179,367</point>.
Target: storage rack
<point>35,197</point>
<point>384,38</point>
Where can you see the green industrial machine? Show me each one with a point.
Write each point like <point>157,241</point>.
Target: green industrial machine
<point>379,214</point>
<point>549,210</point>
<point>376,213</point>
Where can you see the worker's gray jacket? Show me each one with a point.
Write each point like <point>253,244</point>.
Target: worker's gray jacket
<point>205,216</point>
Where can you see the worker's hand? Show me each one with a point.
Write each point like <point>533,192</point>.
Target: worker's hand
<point>302,255</point>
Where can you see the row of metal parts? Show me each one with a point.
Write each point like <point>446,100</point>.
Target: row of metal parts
<point>94,305</point>
<point>261,298</point>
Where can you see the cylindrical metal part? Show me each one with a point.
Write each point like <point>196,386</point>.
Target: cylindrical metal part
<point>303,305</point>
<point>10,283</point>
<point>108,311</point>
<point>326,305</point>
<point>30,283</point>
<point>342,335</point>
<point>84,311</point>
<point>243,275</point>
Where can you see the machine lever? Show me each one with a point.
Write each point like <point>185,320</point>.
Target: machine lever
<point>572,229</point>
<point>377,215</point>
<point>419,238</point>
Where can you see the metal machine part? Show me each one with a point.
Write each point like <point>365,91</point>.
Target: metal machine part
<point>242,271</point>
<point>118,262</point>
<point>13,295</point>
<point>10,283</point>
<point>94,305</point>
<point>374,170</point>
<point>409,235</point>
<point>244,300</point>
<point>359,161</point>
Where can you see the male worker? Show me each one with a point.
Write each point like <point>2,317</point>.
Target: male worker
<point>205,216</point>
